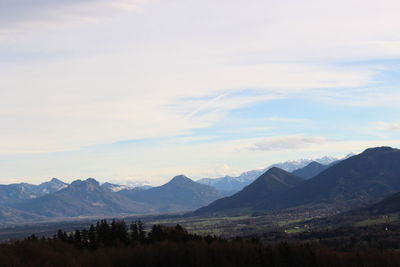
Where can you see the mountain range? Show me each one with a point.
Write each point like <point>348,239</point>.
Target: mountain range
<point>81,198</point>
<point>357,180</point>
<point>370,175</point>
<point>229,185</point>
<point>56,199</point>
<point>311,170</point>
<point>345,184</point>
<point>268,186</point>
<point>13,193</point>
<point>181,193</point>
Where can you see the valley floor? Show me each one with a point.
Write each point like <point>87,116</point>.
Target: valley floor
<point>288,222</point>
<point>372,243</point>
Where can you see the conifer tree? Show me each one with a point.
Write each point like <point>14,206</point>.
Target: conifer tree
<point>141,233</point>
<point>134,231</point>
<point>78,238</point>
<point>92,237</point>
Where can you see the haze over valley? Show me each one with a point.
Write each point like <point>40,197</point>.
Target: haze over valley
<point>199,133</point>
<point>335,186</point>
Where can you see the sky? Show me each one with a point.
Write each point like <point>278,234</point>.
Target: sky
<point>143,90</point>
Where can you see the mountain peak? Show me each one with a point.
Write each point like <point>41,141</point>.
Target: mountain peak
<point>380,149</point>
<point>179,179</point>
<point>276,174</point>
<point>314,163</point>
<point>180,193</point>
<point>116,187</point>
<point>371,174</point>
<point>275,169</point>
<point>89,181</point>
<point>271,184</point>
<point>92,181</point>
<point>55,180</point>
<point>311,170</point>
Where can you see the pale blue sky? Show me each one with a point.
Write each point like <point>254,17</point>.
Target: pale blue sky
<point>142,90</point>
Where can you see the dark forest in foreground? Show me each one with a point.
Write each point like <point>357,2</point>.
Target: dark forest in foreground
<point>118,244</point>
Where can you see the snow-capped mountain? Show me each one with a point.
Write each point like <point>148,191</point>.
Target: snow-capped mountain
<point>49,187</point>
<point>13,193</point>
<point>115,187</point>
<point>229,185</point>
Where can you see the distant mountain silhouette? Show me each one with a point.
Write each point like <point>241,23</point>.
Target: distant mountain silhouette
<point>371,175</point>
<point>89,198</point>
<point>350,183</point>
<point>49,187</point>
<point>14,193</point>
<point>115,187</point>
<point>82,198</point>
<point>268,186</point>
<point>311,170</point>
<point>229,185</point>
<point>357,180</point>
<point>181,193</point>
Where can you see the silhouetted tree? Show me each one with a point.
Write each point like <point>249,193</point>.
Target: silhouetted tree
<point>92,237</point>
<point>134,231</point>
<point>141,232</point>
<point>78,238</point>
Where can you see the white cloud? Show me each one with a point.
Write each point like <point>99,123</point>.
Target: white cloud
<point>375,97</point>
<point>25,12</point>
<point>126,69</point>
<point>387,126</point>
<point>160,162</point>
<point>69,104</point>
<point>288,143</point>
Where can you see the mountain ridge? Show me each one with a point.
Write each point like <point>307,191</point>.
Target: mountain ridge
<point>372,174</point>
<point>81,198</point>
<point>359,179</point>
<point>13,193</point>
<point>273,182</point>
<point>311,170</point>
<point>179,193</point>
<point>230,185</point>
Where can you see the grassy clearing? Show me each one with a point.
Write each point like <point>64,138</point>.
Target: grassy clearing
<point>295,230</point>
<point>207,225</point>
<point>291,221</point>
<point>288,222</point>
<point>380,220</point>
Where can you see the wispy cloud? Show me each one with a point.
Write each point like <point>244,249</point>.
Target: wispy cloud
<point>71,11</point>
<point>387,126</point>
<point>287,120</point>
<point>378,96</point>
<point>137,69</point>
<point>287,143</point>
<point>224,102</point>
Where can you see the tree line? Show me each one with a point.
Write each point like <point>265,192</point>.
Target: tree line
<point>118,233</point>
<point>118,244</point>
